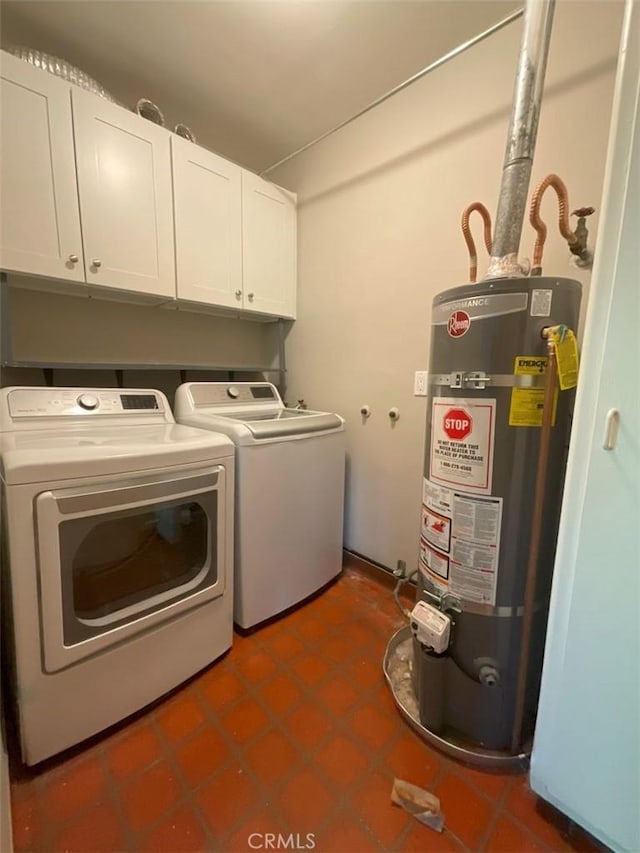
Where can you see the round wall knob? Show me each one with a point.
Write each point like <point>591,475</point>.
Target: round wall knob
<point>97,263</point>
<point>88,401</point>
<point>250,295</point>
<point>238,294</point>
<point>365,411</point>
<point>73,258</point>
<point>394,414</point>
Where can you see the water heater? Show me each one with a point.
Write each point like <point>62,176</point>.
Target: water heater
<point>484,412</point>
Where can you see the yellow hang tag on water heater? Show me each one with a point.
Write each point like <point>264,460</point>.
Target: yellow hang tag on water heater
<point>566,358</point>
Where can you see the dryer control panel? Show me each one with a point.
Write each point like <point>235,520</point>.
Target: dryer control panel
<point>28,403</point>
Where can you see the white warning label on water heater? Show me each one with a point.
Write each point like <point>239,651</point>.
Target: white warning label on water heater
<point>460,542</point>
<point>462,435</point>
<point>436,528</point>
<point>541,303</point>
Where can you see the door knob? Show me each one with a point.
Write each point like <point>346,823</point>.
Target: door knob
<point>238,294</point>
<point>73,258</point>
<point>96,263</point>
<point>250,295</point>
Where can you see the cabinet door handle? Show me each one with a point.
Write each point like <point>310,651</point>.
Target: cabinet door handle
<point>73,258</point>
<point>611,424</point>
<point>238,294</point>
<point>97,263</point>
<point>250,295</point>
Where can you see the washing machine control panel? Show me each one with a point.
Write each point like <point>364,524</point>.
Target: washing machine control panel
<point>221,394</point>
<point>79,402</point>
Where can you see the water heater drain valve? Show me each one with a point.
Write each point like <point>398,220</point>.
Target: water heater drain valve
<point>430,626</point>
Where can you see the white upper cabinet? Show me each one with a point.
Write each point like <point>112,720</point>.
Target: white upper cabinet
<point>268,247</point>
<point>90,191</point>
<point>40,221</point>
<point>208,223</point>
<point>124,182</point>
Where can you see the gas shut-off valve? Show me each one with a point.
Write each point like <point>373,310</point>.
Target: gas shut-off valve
<point>431,627</point>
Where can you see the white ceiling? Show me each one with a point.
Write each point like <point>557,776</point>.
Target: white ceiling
<point>253,79</point>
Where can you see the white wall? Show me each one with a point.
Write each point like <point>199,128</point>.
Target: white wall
<point>379,212</point>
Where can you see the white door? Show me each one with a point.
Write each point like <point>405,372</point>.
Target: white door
<point>208,222</point>
<point>124,180</point>
<point>40,223</point>
<point>268,247</point>
<point>586,752</point>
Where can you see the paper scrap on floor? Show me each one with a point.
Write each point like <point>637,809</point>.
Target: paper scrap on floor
<point>424,806</point>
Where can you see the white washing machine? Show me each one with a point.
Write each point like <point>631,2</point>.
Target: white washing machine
<point>117,556</point>
<point>290,467</point>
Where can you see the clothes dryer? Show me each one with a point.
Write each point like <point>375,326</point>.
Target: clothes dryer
<point>118,556</point>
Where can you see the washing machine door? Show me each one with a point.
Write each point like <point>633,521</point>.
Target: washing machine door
<point>118,557</point>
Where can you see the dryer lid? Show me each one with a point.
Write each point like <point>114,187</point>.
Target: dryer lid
<point>49,455</point>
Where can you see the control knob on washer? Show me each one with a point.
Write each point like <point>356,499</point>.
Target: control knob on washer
<point>233,392</point>
<point>88,401</point>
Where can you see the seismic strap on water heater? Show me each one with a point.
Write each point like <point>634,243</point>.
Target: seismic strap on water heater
<point>521,139</point>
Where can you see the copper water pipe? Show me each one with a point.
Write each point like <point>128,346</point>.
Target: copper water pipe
<point>536,536</point>
<point>466,231</point>
<point>576,245</point>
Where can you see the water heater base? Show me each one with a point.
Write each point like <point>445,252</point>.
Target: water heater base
<point>397,670</point>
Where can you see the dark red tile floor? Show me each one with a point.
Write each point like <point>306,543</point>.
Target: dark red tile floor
<point>293,731</point>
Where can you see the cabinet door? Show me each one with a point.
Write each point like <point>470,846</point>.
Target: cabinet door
<point>40,223</point>
<point>124,181</point>
<point>208,222</point>
<point>268,247</point>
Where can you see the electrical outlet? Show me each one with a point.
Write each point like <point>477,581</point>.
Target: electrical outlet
<point>420,383</point>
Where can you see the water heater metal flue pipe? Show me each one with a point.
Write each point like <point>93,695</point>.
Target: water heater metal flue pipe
<point>521,139</point>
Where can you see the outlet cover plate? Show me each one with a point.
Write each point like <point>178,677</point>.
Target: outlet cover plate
<point>420,381</point>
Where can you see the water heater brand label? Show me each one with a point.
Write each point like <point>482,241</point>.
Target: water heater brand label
<point>480,307</point>
<point>458,324</point>
<point>465,561</point>
<point>462,435</point>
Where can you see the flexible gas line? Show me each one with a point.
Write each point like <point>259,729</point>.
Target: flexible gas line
<point>466,232</point>
<point>396,592</point>
<point>577,240</point>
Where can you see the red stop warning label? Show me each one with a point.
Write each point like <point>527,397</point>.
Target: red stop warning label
<point>456,424</point>
<point>462,437</point>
